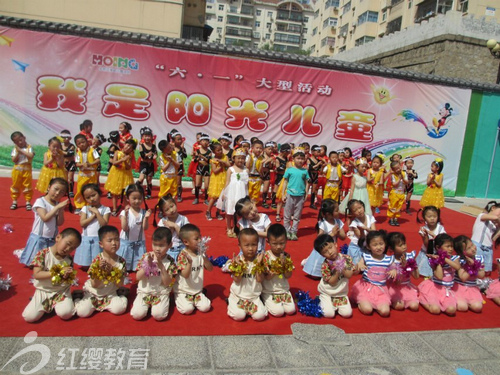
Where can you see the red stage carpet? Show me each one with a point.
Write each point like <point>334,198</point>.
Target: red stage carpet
<point>215,322</point>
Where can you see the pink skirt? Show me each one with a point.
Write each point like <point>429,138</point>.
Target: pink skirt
<point>406,293</point>
<point>468,294</point>
<point>376,295</point>
<point>493,290</point>
<point>434,294</point>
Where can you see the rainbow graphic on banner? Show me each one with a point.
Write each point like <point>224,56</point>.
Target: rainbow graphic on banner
<point>401,146</point>
<point>410,115</point>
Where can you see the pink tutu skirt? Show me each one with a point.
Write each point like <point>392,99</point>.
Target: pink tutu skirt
<point>406,293</point>
<point>468,294</point>
<point>434,294</point>
<point>376,295</point>
<point>493,290</point>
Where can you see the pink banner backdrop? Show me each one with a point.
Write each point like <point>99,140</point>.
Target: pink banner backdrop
<point>53,82</point>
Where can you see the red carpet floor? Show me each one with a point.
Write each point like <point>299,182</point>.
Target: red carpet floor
<point>215,322</point>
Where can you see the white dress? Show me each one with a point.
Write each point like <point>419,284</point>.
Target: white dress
<point>234,191</point>
<point>360,193</point>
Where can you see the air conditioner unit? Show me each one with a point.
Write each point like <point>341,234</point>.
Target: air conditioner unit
<point>354,24</point>
<point>343,35</point>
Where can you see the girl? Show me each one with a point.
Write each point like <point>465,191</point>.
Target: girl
<point>280,167</point>
<point>358,187</point>
<point>202,156</point>
<point>435,294</point>
<point>402,292</point>
<point>315,165</point>
<point>465,288</point>
<point>219,164</point>
<point>53,165</point>
<point>124,128</point>
<point>169,165</point>
<point>433,194</point>
<point>49,215</point>
<point>181,155</point>
<point>92,217</point>
<point>428,233</point>
<point>120,176</point>
<point>397,193</point>
<point>367,154</point>
<point>328,223</point>
<point>134,221</point>
<point>375,183</point>
<point>225,141</point>
<point>148,152</point>
<point>250,218</point>
<point>371,293</point>
<point>485,225</point>
<point>193,165</point>
<point>96,145</point>
<point>348,163</point>
<point>172,220</point>
<point>266,171</point>
<point>237,141</point>
<point>360,226</point>
<point>236,188</point>
<point>69,151</point>
<point>411,175</point>
<point>86,130</point>
<point>114,138</point>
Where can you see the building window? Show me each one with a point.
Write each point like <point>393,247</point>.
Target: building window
<point>269,14</point>
<point>464,5</point>
<point>315,31</point>
<point>343,30</point>
<point>363,40</point>
<point>346,8</point>
<point>368,16</point>
<point>219,30</point>
<point>268,25</point>
<point>384,15</point>
<point>258,12</point>
<point>304,30</point>
<point>268,36</point>
<point>395,2</point>
<point>332,3</point>
<point>220,19</point>
<point>306,19</point>
<point>394,25</point>
<point>257,23</point>
<point>342,49</point>
<point>330,22</point>
<point>221,7</point>
<point>410,4</point>
<point>328,41</point>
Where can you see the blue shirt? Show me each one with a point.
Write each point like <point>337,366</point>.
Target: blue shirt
<point>296,181</point>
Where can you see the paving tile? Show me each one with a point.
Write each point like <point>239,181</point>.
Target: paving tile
<point>437,369</point>
<point>490,340</point>
<point>320,334</point>
<point>247,372</point>
<point>312,371</point>
<point>179,353</point>
<point>241,352</point>
<point>454,347</point>
<point>372,370</point>
<point>363,351</point>
<point>291,353</point>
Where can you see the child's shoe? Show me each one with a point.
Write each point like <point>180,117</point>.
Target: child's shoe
<point>377,210</point>
<point>265,205</point>
<point>391,222</point>
<point>208,216</point>
<point>196,201</point>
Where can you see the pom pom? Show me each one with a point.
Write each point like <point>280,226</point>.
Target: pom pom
<point>258,267</point>
<point>5,282</point>
<point>150,267</point>
<point>203,245</point>
<point>61,275</point>
<point>105,272</point>
<point>219,261</point>
<point>281,266</point>
<point>237,267</point>
<point>308,306</point>
<point>472,269</point>
<point>440,260</point>
<point>8,228</point>
<point>343,249</point>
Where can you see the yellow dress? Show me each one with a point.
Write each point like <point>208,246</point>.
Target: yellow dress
<point>433,195</point>
<point>120,176</point>
<point>49,172</point>
<point>217,180</point>
<point>376,193</point>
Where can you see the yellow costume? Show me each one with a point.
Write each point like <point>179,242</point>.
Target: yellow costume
<point>119,176</point>
<point>254,178</point>
<point>48,172</point>
<point>85,175</point>
<point>21,176</point>
<point>168,177</point>
<point>217,180</point>
<point>376,192</point>
<point>332,190</point>
<point>397,196</point>
<point>433,195</point>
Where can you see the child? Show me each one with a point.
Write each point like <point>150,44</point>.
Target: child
<point>69,151</point>
<point>348,163</point>
<point>219,164</point>
<point>435,294</point>
<point>465,288</point>
<point>358,187</point>
<point>49,214</point>
<point>279,266</point>
<point>181,155</point>
<point>281,166</point>
<point>485,225</point>
<point>225,140</point>
<point>191,263</point>
<point>295,186</point>
<point>155,274</point>
<point>86,161</point>
<point>247,271</point>
<point>22,156</point>
<point>174,221</point>
<point>53,276</point>
<point>92,217</point>
<point>267,171</point>
<point>134,221</point>
<point>412,175</point>
<point>86,130</point>
<point>428,232</point>
<point>120,176</point>
<point>147,150</point>
<point>397,193</point>
<point>202,156</point>
<point>236,188</point>
<point>53,165</point>
<point>360,225</point>
<point>124,129</point>
<point>251,218</point>
<point>328,223</point>
<point>169,164</point>
<point>371,293</point>
<point>336,270</point>
<point>315,165</point>
<point>433,194</point>
<point>493,291</point>
<point>193,165</point>
<point>96,144</point>
<point>254,165</point>
<point>114,138</point>
<point>375,183</point>
<point>106,275</point>
<point>402,292</point>
<point>333,175</point>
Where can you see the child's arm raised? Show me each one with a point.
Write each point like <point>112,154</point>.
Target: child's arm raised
<point>145,220</point>
<point>124,219</point>
<point>259,276</point>
<point>46,216</point>
<point>47,160</point>
<point>185,264</point>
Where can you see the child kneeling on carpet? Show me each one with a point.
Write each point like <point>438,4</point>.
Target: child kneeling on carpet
<point>106,274</point>
<point>247,270</point>
<point>279,266</point>
<point>191,264</point>
<point>336,270</point>
<point>53,274</point>
<point>155,274</point>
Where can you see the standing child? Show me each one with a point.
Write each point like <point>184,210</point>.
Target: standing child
<point>219,164</point>
<point>371,293</point>
<point>254,165</point>
<point>251,218</point>
<point>360,226</point>
<point>53,165</point>
<point>155,274</point>
<point>333,177</point>
<point>485,225</point>
<point>92,217</point>
<point>225,140</point>
<point>397,193</point>
<point>202,155</point>
<point>147,150</point>
<point>247,271</point>
<point>280,167</point>
<point>315,165</point>
<point>375,183</point>
<point>96,144</point>
<point>358,187</point>
<point>279,266</point>
<point>412,175</point>
<point>295,187</point>
<point>22,157</point>
<point>114,138</point>
<point>401,290</point>
<point>49,215</point>
<point>86,161</point>
<point>435,294</point>
<point>169,164</point>
<point>193,165</point>
<point>134,221</point>
<point>267,171</point>
<point>428,232</point>
<point>180,150</point>
<point>53,276</point>
<point>86,130</point>
<point>433,194</point>
<point>348,163</point>
<point>191,264</point>
<point>69,152</point>
<point>124,128</point>
<point>336,270</point>
<point>106,275</point>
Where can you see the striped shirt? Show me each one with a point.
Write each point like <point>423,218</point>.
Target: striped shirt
<point>376,270</point>
<point>405,280</point>
<point>471,281</point>
<point>448,275</point>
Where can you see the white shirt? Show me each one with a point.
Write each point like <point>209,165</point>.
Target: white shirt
<point>482,231</point>
<point>327,227</point>
<point>356,223</point>
<point>260,226</point>
<point>180,221</point>
<point>48,228</point>
<point>23,159</point>
<point>93,227</point>
<point>135,229</point>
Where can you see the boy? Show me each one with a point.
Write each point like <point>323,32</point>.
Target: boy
<point>295,187</point>
<point>155,274</point>
<point>279,266</point>
<point>188,288</point>
<point>22,157</point>
<point>169,165</point>
<point>254,165</point>
<point>53,274</point>
<point>397,193</point>
<point>333,174</point>
<point>267,168</point>
<point>86,160</point>
<point>411,174</point>
<point>247,271</point>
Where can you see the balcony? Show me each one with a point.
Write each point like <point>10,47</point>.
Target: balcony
<point>287,28</point>
<point>286,39</point>
<point>232,20</point>
<point>239,33</point>
<point>290,16</point>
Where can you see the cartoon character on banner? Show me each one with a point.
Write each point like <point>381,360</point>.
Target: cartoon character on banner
<point>434,132</point>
